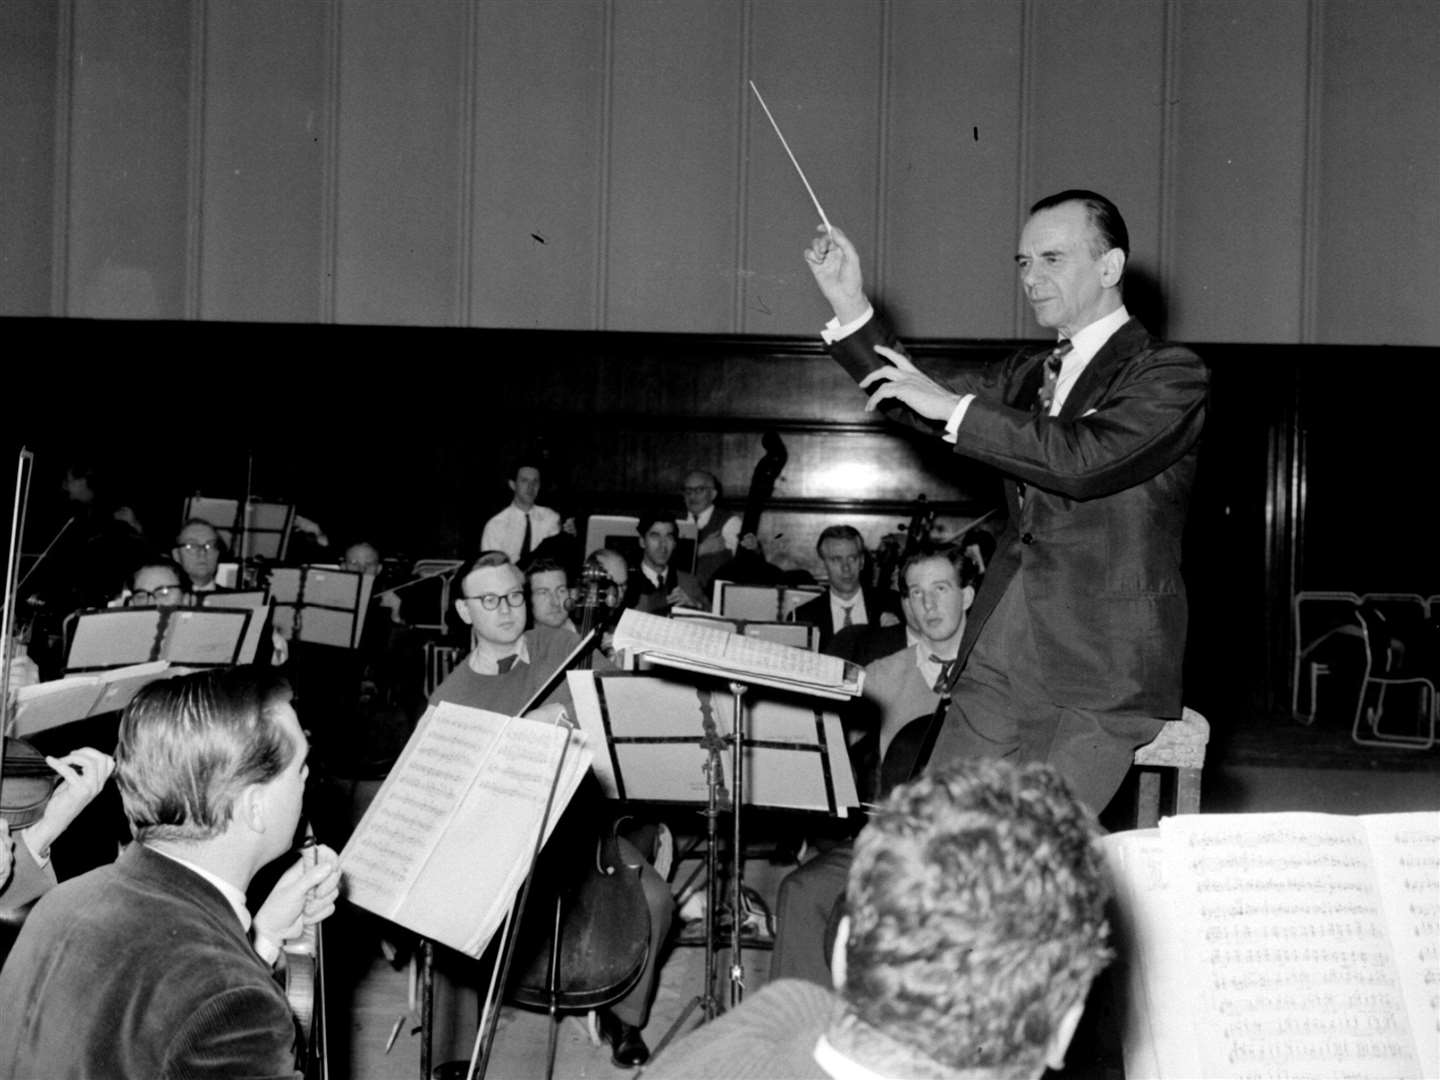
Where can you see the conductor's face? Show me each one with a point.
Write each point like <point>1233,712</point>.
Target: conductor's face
<point>499,587</point>
<point>1068,285</point>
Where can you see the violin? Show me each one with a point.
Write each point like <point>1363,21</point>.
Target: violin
<point>305,984</point>
<point>26,781</point>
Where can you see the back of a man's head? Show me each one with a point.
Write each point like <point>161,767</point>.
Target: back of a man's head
<point>976,904</point>
<point>190,744</point>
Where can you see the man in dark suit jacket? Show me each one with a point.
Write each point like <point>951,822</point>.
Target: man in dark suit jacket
<point>153,966</point>
<point>657,586</point>
<point>846,603</point>
<point>1074,648</point>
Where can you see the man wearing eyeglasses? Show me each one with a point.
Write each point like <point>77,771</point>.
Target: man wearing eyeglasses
<point>197,550</point>
<point>157,584</point>
<point>506,667</point>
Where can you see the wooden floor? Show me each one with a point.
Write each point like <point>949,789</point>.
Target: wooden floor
<point>1272,765</point>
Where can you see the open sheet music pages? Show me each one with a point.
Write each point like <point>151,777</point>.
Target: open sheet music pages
<point>446,844</point>
<point>1281,945</point>
<point>687,645</point>
<point>46,705</point>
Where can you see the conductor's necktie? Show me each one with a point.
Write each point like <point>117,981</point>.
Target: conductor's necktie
<point>1046,397</point>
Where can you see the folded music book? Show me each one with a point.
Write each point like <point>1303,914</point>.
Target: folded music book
<point>1280,945</point>
<point>445,846</point>
<point>193,637</point>
<point>42,706</point>
<point>646,731</point>
<point>321,605</point>
<point>711,651</point>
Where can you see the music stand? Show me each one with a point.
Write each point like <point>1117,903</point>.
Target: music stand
<point>784,753</point>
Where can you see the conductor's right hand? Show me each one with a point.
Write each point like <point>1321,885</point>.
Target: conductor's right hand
<point>833,260</point>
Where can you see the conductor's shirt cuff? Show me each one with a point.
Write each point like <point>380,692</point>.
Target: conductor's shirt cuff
<point>834,330</point>
<point>952,426</point>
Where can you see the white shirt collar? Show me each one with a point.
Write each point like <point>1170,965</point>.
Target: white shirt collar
<point>483,665</point>
<point>703,518</point>
<point>233,896</point>
<point>1088,341</point>
<point>655,577</point>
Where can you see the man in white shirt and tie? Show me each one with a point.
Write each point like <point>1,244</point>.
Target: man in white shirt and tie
<point>846,602</point>
<point>520,527</point>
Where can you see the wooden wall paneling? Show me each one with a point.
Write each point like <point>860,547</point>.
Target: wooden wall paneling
<point>1239,143</point>
<point>671,259</point>
<point>400,161</point>
<point>818,66</point>
<point>540,114</point>
<point>1379,198</point>
<point>263,139</point>
<point>29,51</point>
<point>1095,117</point>
<point>129,159</point>
<point>953,144</point>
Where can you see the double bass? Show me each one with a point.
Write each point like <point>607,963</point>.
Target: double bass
<point>748,567</point>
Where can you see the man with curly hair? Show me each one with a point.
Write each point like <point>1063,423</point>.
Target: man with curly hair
<point>975,927</point>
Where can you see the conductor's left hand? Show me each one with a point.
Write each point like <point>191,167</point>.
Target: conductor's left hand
<point>902,381</point>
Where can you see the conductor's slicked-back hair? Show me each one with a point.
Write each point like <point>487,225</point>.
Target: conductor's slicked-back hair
<point>977,909</point>
<point>1104,217</point>
<point>190,745</point>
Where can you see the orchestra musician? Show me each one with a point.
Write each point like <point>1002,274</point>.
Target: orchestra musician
<point>659,586</point>
<point>506,668</point>
<point>197,550</point>
<point>975,924</point>
<point>717,535</point>
<point>25,870</point>
<point>899,689</point>
<point>549,594</point>
<point>153,966</point>
<point>523,525</point>
<point>846,602</point>
<point>1074,650</point>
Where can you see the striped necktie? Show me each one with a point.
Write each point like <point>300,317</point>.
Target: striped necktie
<point>1046,397</point>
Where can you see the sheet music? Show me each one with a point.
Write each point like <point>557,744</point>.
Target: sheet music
<point>204,636</point>
<point>446,844</point>
<point>1294,975</point>
<point>1406,848</point>
<point>667,639</point>
<point>46,705</point>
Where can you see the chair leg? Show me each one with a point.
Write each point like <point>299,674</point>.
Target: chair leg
<point>1147,800</point>
<point>1187,791</point>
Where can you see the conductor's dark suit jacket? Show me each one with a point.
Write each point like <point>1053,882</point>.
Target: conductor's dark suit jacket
<point>140,970</point>
<point>1096,540</point>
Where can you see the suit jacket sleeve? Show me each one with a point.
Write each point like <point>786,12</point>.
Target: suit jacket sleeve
<point>1143,408</point>
<point>28,879</point>
<point>241,1032</point>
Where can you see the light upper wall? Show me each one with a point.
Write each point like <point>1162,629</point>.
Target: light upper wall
<point>600,164</point>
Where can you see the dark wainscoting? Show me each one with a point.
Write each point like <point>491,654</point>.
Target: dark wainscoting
<point>1310,477</point>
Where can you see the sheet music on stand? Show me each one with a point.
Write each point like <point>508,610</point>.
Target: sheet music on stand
<point>265,532</point>
<point>646,729</point>
<point>122,637</point>
<point>797,635</point>
<point>446,844</point>
<point>710,651</point>
<point>42,706</point>
<point>321,605</point>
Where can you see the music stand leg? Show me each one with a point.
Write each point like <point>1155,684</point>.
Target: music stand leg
<point>427,1004</point>
<point>737,884</point>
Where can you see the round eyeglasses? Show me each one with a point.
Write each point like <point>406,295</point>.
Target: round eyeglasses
<point>490,601</point>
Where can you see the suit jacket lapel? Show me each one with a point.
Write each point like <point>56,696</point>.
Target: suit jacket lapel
<point>1090,387</point>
